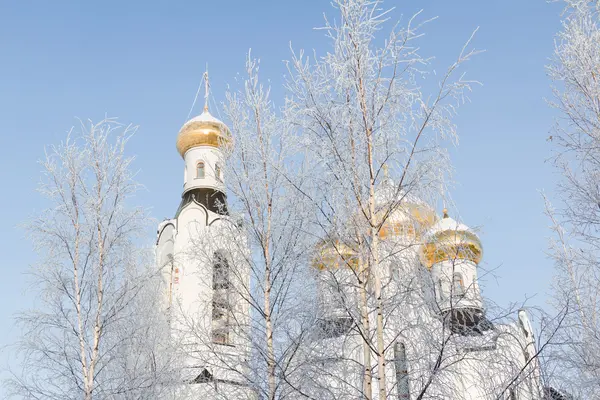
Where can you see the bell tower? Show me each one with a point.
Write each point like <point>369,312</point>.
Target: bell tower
<point>452,252</point>
<point>202,254</point>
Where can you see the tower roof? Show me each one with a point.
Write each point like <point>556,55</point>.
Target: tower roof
<point>449,239</point>
<point>203,130</point>
<point>448,224</point>
<point>205,117</point>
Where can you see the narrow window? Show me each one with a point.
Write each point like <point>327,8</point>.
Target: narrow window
<point>441,293</point>
<point>459,285</point>
<point>200,170</point>
<point>221,299</point>
<point>174,273</point>
<point>218,172</point>
<point>395,272</point>
<point>401,366</point>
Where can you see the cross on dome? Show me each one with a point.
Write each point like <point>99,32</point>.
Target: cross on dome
<point>203,129</point>
<point>206,88</point>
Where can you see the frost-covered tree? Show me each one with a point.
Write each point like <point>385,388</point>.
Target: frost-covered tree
<point>575,72</point>
<point>274,216</point>
<point>375,141</point>
<point>96,331</point>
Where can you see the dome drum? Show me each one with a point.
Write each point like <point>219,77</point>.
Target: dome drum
<point>467,321</point>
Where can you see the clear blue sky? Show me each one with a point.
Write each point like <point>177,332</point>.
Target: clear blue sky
<point>142,61</point>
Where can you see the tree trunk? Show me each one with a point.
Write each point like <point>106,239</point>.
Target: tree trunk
<point>363,275</point>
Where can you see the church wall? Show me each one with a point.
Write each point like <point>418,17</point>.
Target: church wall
<point>201,233</point>
<point>165,248</point>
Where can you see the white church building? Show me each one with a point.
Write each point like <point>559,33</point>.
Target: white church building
<point>440,344</point>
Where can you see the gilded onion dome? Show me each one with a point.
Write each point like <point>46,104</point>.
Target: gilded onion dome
<point>450,240</point>
<point>333,255</point>
<point>411,218</point>
<point>404,214</point>
<point>203,130</point>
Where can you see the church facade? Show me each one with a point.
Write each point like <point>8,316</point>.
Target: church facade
<point>440,344</point>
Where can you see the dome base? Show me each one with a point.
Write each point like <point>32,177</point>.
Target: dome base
<point>213,200</point>
<point>467,321</point>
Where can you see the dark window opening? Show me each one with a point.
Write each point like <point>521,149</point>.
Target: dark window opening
<point>221,305</point>
<point>204,377</point>
<point>551,393</point>
<point>467,322</point>
<point>331,328</point>
<point>213,200</point>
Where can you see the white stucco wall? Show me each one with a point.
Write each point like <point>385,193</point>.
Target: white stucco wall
<point>211,156</point>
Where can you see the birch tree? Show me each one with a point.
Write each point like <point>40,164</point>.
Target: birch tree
<point>95,333</point>
<point>274,217</point>
<point>575,73</point>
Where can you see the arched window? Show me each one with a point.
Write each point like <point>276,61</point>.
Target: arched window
<point>459,285</point>
<point>221,311</point>
<point>200,170</point>
<point>218,173</point>
<point>173,277</point>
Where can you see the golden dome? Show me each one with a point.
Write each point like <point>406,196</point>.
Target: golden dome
<point>203,130</point>
<point>404,214</point>
<point>334,255</point>
<point>411,218</point>
<point>450,240</point>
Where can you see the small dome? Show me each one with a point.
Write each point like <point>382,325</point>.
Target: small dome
<point>450,240</point>
<point>202,130</point>
<point>334,255</point>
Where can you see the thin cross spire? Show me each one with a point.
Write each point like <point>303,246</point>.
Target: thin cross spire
<point>206,88</point>
<point>443,193</point>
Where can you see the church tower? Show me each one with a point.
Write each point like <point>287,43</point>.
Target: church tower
<point>201,253</point>
<point>452,253</point>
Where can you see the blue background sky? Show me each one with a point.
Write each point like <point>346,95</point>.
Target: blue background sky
<point>142,61</point>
